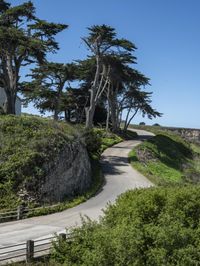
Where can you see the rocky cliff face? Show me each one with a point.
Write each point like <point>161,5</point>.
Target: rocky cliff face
<point>67,175</point>
<point>192,135</point>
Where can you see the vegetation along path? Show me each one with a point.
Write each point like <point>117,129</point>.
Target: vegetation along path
<point>119,177</point>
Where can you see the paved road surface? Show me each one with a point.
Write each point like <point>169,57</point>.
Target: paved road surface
<point>119,177</point>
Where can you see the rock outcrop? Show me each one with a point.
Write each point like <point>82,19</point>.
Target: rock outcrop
<point>189,134</point>
<point>67,175</point>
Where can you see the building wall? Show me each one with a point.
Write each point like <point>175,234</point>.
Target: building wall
<point>3,99</point>
<point>18,106</point>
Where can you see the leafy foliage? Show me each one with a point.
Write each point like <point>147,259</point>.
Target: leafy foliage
<point>24,39</point>
<point>144,227</point>
<point>108,73</point>
<point>97,140</point>
<point>49,86</point>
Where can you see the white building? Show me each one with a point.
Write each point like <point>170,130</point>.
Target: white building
<point>18,104</point>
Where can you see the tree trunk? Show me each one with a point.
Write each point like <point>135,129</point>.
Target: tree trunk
<point>108,108</point>
<point>113,111</point>
<point>101,81</point>
<point>120,119</point>
<point>129,121</point>
<point>89,111</point>
<point>58,100</point>
<point>68,115</point>
<point>126,120</point>
<point>108,118</point>
<point>10,83</point>
<point>55,117</point>
<point>113,116</point>
<point>9,106</point>
<point>118,116</point>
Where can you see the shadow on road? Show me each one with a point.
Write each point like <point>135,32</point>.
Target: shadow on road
<point>144,137</point>
<point>111,164</point>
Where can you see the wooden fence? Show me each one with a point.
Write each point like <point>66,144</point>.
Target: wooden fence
<point>29,250</point>
<point>21,213</point>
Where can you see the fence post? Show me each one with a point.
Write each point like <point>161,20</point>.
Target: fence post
<point>19,212</point>
<point>29,250</point>
<point>61,238</point>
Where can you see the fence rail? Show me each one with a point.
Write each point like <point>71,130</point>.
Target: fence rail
<point>21,213</point>
<point>29,250</point>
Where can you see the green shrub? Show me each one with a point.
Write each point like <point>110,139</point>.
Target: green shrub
<point>93,142</point>
<point>145,227</point>
<point>97,140</point>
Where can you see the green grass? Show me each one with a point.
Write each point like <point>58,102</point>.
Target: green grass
<point>167,159</point>
<point>195,148</point>
<point>157,172</point>
<point>109,141</point>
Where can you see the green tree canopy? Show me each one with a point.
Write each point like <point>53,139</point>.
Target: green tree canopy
<point>102,41</point>
<point>24,39</point>
<point>49,83</point>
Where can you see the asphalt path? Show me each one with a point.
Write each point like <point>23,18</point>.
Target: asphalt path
<point>119,177</point>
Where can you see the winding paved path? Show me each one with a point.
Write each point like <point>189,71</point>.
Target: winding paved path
<point>119,177</point>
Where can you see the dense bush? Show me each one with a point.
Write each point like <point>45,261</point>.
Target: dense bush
<point>97,140</point>
<point>145,227</point>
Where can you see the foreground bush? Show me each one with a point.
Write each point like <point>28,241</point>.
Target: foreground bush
<point>145,227</point>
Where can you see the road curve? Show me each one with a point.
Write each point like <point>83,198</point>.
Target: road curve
<point>119,177</point>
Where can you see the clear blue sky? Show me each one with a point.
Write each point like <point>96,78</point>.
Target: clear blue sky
<point>167,34</point>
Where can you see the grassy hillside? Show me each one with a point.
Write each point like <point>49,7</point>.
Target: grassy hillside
<point>29,142</point>
<point>167,158</point>
<point>26,143</point>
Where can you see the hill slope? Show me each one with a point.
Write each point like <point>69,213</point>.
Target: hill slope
<point>167,158</point>
<point>29,151</point>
